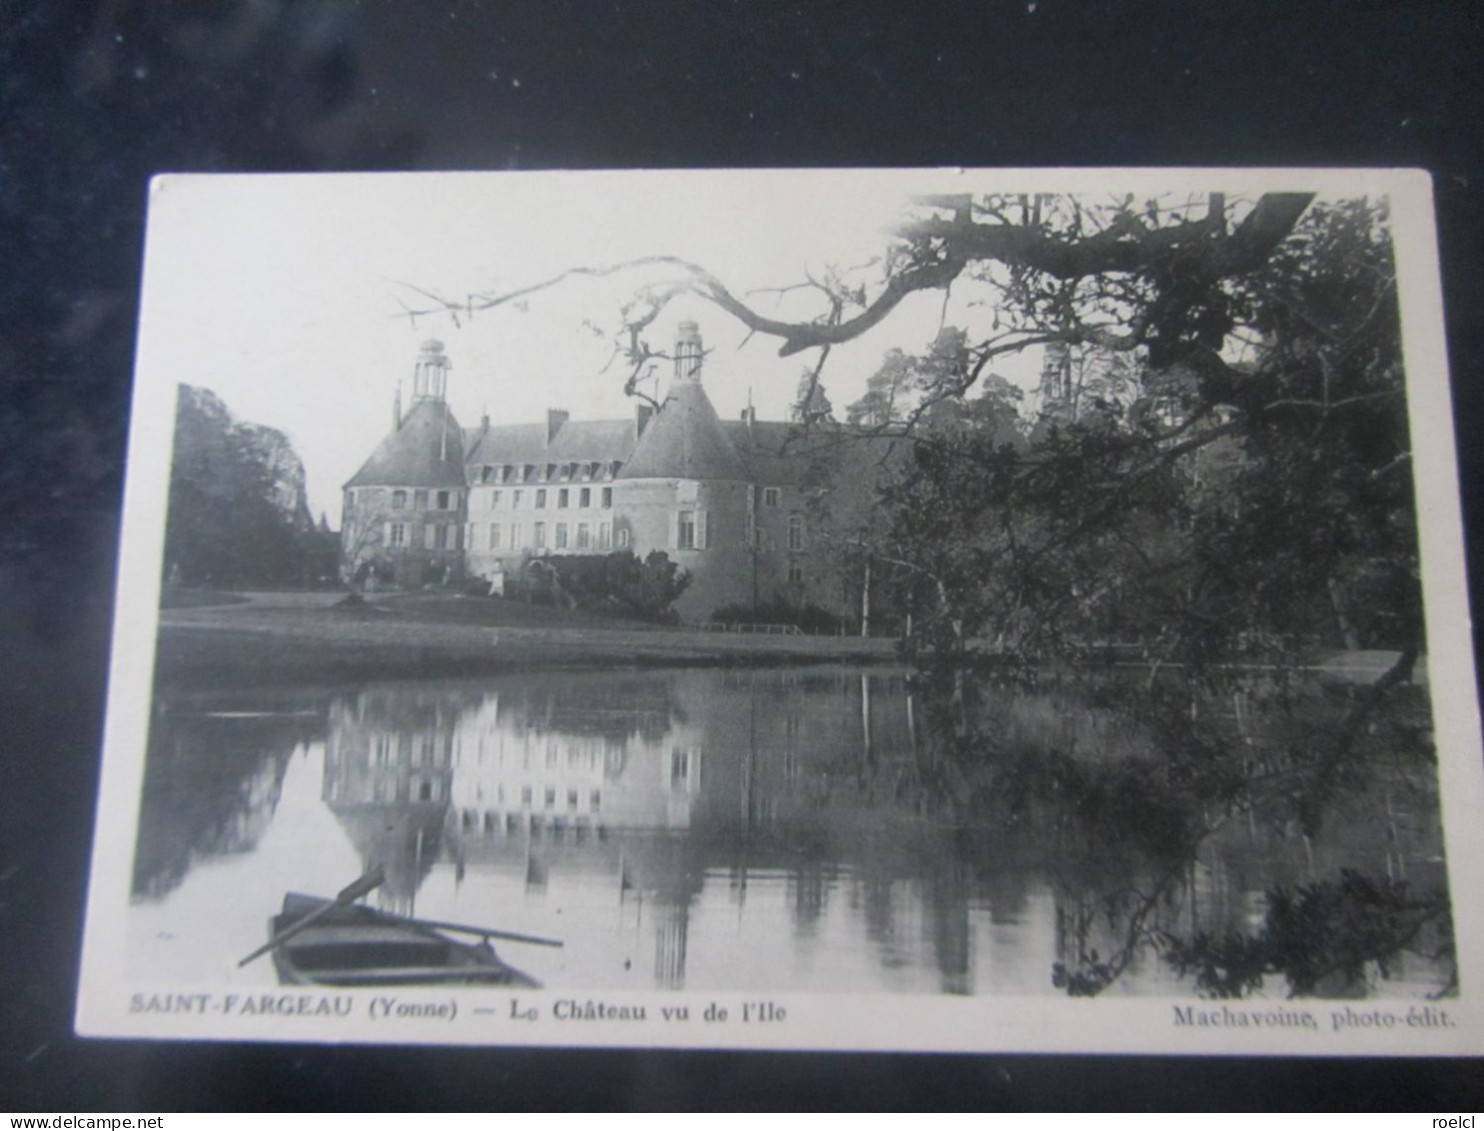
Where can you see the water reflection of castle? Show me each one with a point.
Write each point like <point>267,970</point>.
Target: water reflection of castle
<point>668,785</point>
<point>650,779</point>
<point>388,775</point>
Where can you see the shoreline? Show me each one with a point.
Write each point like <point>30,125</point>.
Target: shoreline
<point>200,658</point>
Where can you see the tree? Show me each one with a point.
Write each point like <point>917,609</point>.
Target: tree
<point>811,403</point>
<point>1222,484</point>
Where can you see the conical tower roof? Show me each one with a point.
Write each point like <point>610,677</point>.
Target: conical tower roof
<point>685,440</point>
<point>427,450</point>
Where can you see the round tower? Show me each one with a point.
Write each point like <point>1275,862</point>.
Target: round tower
<point>685,490</point>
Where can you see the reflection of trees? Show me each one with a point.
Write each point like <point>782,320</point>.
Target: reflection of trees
<point>621,707</point>
<point>1150,829</point>
<point>1239,776</point>
<point>211,784</point>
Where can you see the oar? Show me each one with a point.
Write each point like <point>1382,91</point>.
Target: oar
<point>349,894</point>
<point>486,932</point>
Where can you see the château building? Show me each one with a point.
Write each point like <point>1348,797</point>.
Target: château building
<point>756,511</point>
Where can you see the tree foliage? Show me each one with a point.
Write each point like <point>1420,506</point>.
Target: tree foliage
<point>620,582</point>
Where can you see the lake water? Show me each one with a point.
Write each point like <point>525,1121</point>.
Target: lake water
<point>714,829</point>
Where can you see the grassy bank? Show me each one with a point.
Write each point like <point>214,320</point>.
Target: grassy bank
<point>297,639</point>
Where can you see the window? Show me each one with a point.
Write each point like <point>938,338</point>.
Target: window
<point>585,497</point>
<point>399,500</point>
<point>605,535</point>
<point>561,536</point>
<point>486,473</point>
<point>795,532</point>
<point>525,796</point>
<point>443,503</point>
<point>572,799</point>
<point>494,536</point>
<point>396,534</point>
<point>550,798</point>
<point>621,537</point>
<point>584,536</point>
<point>538,534</point>
<point>595,800</point>
<point>680,768</point>
<point>562,498</point>
<point>494,499</point>
<point>685,537</point>
<point>795,573</point>
<point>420,500</point>
<point>770,496</point>
<point>515,536</point>
<point>607,498</point>
<point>541,498</point>
<point>515,500</point>
<point>750,536</point>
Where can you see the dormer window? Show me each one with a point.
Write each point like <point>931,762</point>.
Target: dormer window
<point>486,473</point>
<point>550,472</point>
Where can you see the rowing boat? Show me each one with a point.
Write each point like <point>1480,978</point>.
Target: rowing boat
<point>354,945</point>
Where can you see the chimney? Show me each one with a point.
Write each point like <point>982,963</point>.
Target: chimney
<point>397,409</point>
<point>642,414</point>
<point>555,418</point>
<point>687,352</point>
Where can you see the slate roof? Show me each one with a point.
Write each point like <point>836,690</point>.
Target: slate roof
<point>685,440</point>
<point>602,441</point>
<point>426,451</point>
<point>780,454</point>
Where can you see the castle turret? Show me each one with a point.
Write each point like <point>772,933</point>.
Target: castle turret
<point>405,507</point>
<point>685,488</point>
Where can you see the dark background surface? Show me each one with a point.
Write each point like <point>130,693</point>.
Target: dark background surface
<point>95,97</point>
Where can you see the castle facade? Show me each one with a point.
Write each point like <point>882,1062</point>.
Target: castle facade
<point>756,511</point>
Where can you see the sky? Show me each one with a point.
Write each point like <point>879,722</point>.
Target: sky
<point>287,295</point>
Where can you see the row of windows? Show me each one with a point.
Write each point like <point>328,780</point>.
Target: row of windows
<point>450,499</point>
<point>547,473</point>
<point>578,535</point>
<point>414,536</point>
<point>401,499</point>
<point>564,498</point>
<point>688,531</point>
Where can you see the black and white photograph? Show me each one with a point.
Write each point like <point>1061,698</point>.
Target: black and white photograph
<point>940,610</point>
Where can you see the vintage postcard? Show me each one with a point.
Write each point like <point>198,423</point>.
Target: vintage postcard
<point>1014,610</point>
